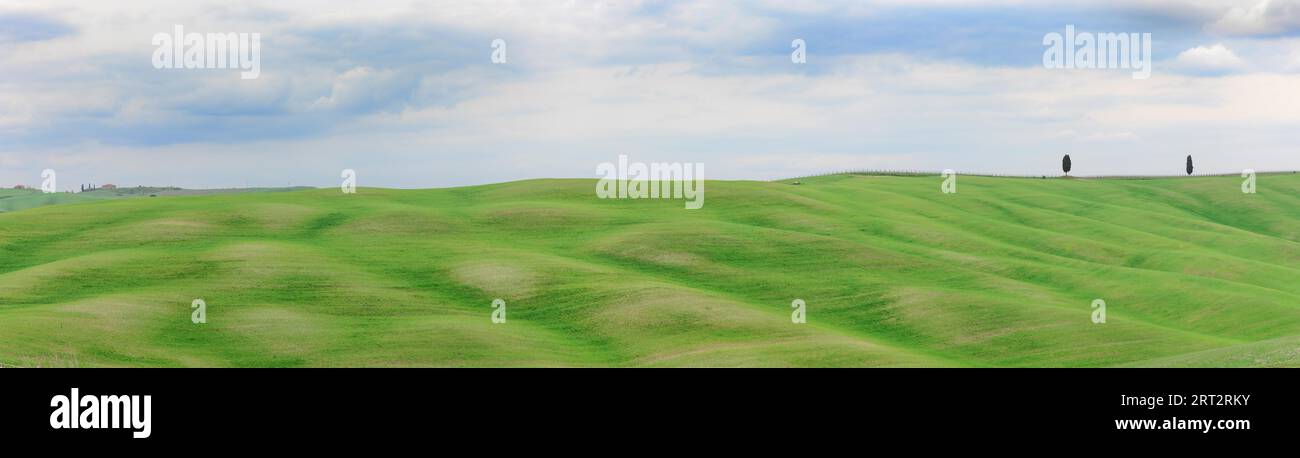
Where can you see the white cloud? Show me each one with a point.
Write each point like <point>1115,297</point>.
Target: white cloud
<point>1267,17</point>
<point>800,163</point>
<point>1213,58</point>
<point>588,81</point>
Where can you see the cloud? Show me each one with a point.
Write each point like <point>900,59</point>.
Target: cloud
<point>17,27</point>
<point>1216,58</point>
<point>364,90</point>
<point>1264,18</point>
<point>409,97</point>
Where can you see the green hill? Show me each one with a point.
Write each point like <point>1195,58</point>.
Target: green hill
<point>22,199</point>
<point>894,273</point>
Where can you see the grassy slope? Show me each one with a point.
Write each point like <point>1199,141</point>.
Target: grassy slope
<point>22,199</point>
<point>894,274</point>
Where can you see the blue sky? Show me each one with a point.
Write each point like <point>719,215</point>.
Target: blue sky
<point>405,92</point>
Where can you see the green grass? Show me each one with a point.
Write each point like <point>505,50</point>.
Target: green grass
<point>894,273</point>
<point>22,199</point>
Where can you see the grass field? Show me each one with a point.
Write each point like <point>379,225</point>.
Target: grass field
<point>22,199</point>
<point>894,273</point>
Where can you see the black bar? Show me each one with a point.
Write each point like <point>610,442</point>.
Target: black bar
<point>233,407</point>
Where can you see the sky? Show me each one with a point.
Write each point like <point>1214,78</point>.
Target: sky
<point>406,93</point>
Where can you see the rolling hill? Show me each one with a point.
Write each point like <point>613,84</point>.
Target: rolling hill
<point>894,273</point>
<point>22,199</point>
